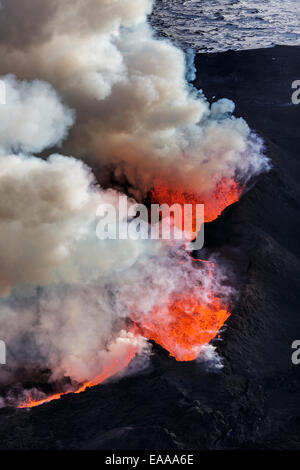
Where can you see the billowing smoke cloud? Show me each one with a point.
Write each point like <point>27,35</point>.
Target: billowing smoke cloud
<point>134,107</point>
<point>56,309</point>
<point>66,296</point>
<point>33,117</point>
<point>71,304</point>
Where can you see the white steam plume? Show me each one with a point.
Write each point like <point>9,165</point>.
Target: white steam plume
<point>33,117</point>
<point>134,107</point>
<point>56,309</point>
<point>65,296</point>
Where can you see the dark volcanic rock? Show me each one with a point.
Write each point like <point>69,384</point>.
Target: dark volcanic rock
<point>253,402</point>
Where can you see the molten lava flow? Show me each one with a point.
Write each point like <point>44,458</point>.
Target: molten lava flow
<point>29,403</point>
<point>186,322</point>
<point>226,192</point>
<point>184,325</point>
<point>115,366</point>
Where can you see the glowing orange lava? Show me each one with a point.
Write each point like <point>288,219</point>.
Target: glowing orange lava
<point>226,192</point>
<point>113,367</point>
<point>187,320</point>
<point>184,324</point>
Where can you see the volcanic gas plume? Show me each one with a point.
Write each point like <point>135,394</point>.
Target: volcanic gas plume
<point>93,77</point>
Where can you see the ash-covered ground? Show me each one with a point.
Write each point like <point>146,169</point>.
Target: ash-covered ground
<point>253,402</point>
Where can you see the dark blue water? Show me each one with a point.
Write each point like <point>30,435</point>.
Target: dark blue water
<point>218,25</point>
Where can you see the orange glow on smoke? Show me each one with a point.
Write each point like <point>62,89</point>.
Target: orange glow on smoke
<point>113,367</point>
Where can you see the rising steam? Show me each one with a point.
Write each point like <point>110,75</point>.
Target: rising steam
<point>134,107</point>
<point>92,76</point>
